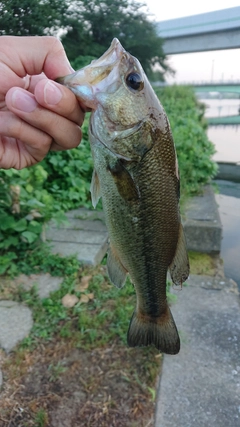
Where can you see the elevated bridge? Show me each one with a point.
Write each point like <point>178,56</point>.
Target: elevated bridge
<point>216,30</point>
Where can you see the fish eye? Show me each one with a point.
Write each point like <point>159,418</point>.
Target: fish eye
<point>134,81</point>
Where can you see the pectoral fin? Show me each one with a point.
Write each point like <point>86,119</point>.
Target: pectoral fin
<point>126,186</point>
<point>117,273</point>
<point>133,143</point>
<point>95,189</point>
<point>179,267</point>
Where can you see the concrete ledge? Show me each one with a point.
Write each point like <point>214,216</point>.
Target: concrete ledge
<point>201,222</point>
<point>228,171</point>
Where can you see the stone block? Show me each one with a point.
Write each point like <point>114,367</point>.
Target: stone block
<point>16,323</point>
<point>201,222</point>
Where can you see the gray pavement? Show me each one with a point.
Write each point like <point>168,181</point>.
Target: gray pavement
<point>200,387</point>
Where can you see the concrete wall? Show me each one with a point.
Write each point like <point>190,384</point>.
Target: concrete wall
<point>228,171</point>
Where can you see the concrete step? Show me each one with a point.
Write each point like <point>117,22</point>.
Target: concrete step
<point>202,224</point>
<point>85,235</point>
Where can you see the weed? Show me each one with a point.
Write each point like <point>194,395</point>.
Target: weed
<point>55,371</point>
<point>41,418</point>
<point>201,263</point>
<point>152,392</point>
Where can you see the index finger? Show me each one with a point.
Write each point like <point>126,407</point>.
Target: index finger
<point>20,56</point>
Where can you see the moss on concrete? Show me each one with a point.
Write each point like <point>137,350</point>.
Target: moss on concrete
<point>202,264</point>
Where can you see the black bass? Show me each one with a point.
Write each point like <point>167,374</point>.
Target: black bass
<point>136,174</point>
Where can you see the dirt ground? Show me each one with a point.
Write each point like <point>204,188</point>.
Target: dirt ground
<point>58,385</point>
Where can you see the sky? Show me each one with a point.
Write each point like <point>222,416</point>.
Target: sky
<point>199,66</point>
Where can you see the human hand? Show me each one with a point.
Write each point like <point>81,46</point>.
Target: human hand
<point>36,114</point>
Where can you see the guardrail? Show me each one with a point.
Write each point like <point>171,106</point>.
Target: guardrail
<point>224,120</point>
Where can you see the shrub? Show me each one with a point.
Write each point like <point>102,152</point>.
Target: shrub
<point>194,150</point>
<point>32,196</point>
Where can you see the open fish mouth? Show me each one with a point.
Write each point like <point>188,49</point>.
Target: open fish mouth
<point>93,78</point>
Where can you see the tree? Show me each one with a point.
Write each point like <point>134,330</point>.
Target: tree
<point>31,17</point>
<point>92,24</point>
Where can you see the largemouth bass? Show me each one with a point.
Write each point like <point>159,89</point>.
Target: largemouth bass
<point>136,174</point>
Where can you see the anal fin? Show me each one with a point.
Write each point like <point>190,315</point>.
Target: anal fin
<point>179,267</point>
<point>117,273</point>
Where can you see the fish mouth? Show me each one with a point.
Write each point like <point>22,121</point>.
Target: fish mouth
<point>114,53</point>
<point>87,82</point>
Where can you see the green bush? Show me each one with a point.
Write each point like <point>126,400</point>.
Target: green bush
<point>82,61</point>
<point>69,174</point>
<point>194,150</point>
<point>32,196</point>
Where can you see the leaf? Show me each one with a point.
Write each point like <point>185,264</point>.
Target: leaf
<point>152,391</point>
<point>84,299</point>
<point>6,222</point>
<point>29,188</point>
<point>10,241</point>
<point>29,236</point>
<point>20,225</point>
<point>6,261</point>
<point>69,300</point>
<point>83,284</point>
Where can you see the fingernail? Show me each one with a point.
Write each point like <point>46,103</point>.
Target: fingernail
<point>52,95</point>
<point>23,101</point>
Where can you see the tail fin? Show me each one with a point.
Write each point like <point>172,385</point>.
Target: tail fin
<point>159,331</point>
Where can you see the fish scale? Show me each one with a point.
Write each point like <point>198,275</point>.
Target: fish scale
<point>135,173</point>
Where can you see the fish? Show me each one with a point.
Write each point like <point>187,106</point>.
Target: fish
<point>136,175</point>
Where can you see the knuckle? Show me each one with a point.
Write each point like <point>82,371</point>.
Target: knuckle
<point>15,126</point>
<point>46,141</point>
<point>77,137</point>
<point>56,45</point>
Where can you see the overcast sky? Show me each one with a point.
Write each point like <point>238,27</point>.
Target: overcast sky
<point>198,66</point>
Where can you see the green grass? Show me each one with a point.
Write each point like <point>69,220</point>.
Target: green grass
<point>101,320</point>
<point>90,324</point>
<point>40,418</point>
